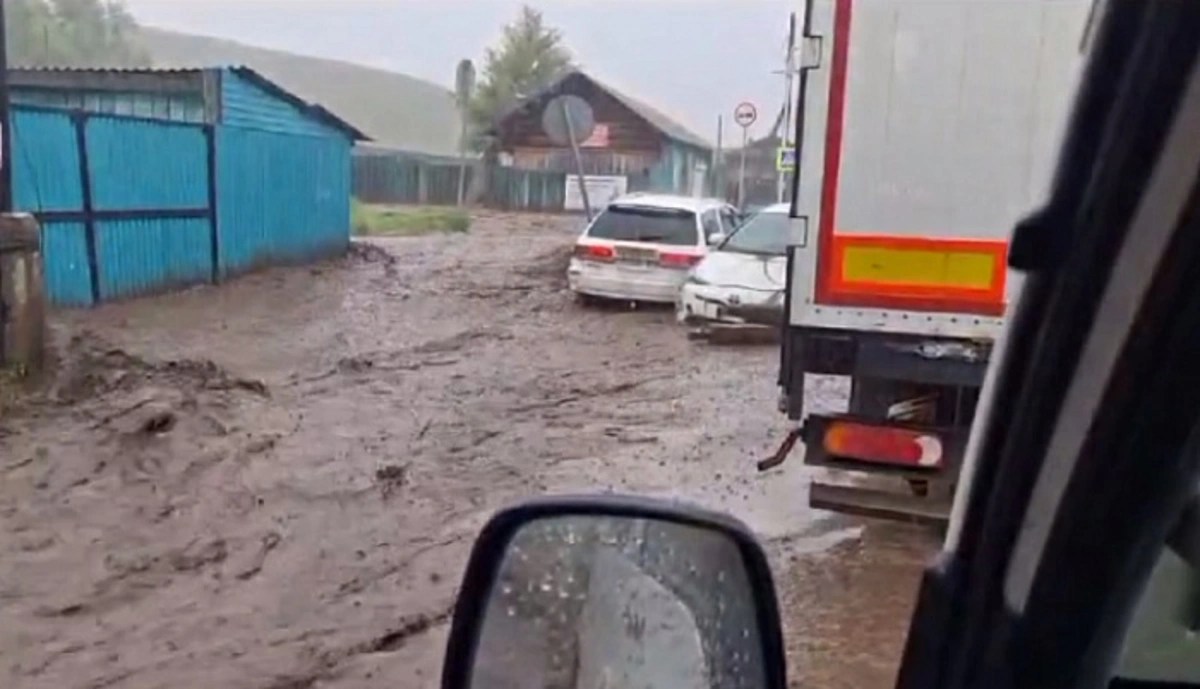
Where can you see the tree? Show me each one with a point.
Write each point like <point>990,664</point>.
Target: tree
<point>72,33</point>
<point>529,56</point>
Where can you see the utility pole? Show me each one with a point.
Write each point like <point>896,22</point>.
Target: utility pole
<point>464,87</point>
<point>741,197</point>
<point>719,189</point>
<point>5,166</point>
<point>6,190</point>
<point>786,126</point>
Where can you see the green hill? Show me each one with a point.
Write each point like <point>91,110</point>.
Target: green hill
<point>393,109</point>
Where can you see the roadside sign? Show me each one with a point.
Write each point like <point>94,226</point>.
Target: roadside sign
<point>601,190</point>
<point>745,114</point>
<point>579,128</point>
<point>785,159</point>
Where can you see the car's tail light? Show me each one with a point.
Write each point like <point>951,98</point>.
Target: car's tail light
<point>594,252</point>
<point>678,259</point>
<point>883,444</point>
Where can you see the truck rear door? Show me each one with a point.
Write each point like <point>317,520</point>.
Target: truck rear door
<point>929,129</point>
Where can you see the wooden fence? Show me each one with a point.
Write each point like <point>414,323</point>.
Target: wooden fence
<point>390,177</point>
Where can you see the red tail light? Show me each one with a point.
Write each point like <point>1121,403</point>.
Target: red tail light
<point>594,252</point>
<point>883,444</point>
<point>678,260</point>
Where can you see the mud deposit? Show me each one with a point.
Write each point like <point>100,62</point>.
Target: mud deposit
<point>273,484</point>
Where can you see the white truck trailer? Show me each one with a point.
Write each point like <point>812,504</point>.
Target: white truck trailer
<point>925,130</point>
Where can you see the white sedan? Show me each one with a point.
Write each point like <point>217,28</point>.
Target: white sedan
<point>746,273</point>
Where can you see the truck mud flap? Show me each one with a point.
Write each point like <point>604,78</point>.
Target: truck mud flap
<point>878,504</point>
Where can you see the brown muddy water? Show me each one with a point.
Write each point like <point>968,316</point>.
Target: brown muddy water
<point>273,484</point>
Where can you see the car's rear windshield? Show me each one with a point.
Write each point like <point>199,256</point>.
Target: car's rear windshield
<point>646,224</point>
<point>766,234</point>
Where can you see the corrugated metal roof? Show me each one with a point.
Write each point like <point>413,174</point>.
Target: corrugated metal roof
<point>118,70</point>
<point>665,125</point>
<point>314,110</point>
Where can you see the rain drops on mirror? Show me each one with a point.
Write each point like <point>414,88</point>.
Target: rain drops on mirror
<point>619,603</point>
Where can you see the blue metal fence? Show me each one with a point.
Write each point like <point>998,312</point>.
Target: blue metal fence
<point>149,192</point>
<point>46,178</point>
<point>306,179</point>
<point>132,206</point>
<point>124,202</point>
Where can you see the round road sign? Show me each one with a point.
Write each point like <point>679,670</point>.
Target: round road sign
<point>562,108</point>
<point>745,114</point>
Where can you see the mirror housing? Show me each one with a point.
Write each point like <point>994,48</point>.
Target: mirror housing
<point>716,238</point>
<point>680,597</point>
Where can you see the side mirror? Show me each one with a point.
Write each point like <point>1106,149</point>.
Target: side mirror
<point>716,238</point>
<point>616,593</point>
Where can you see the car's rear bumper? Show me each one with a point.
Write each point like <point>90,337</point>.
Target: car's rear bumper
<point>659,285</point>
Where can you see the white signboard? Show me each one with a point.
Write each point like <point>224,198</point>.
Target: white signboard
<point>601,189</point>
<point>699,179</point>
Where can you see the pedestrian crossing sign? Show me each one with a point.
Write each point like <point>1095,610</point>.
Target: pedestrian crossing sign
<point>785,159</point>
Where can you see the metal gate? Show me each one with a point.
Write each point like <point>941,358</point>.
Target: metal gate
<point>126,204</point>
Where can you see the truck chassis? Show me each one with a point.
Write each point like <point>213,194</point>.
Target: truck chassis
<point>910,383</point>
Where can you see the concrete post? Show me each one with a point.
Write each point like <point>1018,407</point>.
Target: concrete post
<point>422,184</point>
<point>22,296</point>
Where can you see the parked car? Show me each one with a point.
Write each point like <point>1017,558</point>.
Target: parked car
<point>641,246</point>
<point>743,275</point>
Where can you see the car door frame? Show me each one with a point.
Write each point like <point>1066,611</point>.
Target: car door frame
<point>700,215</point>
<point>731,209</point>
<point>1078,468</point>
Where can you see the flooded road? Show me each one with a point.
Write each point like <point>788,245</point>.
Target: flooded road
<point>273,484</point>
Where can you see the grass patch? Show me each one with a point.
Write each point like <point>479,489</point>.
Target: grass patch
<point>407,221</point>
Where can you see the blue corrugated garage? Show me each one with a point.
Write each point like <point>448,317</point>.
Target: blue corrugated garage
<point>147,180</point>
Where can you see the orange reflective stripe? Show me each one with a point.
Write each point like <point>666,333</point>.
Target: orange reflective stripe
<point>966,275</point>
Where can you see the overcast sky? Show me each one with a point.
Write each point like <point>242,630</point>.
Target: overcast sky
<point>693,59</point>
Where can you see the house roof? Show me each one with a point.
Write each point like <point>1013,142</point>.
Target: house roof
<point>656,119</point>
<point>168,81</point>
<point>316,111</point>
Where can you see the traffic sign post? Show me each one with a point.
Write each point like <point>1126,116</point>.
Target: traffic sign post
<point>745,114</point>
<point>569,120</point>
<point>464,86</point>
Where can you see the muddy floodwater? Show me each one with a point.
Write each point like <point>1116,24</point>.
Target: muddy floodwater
<point>273,483</point>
